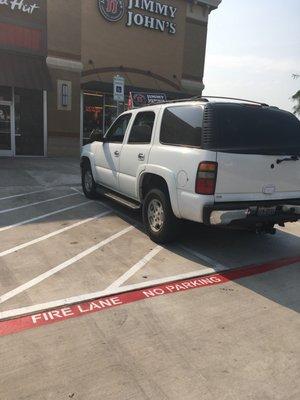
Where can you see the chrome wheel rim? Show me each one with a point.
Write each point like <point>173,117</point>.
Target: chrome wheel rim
<point>156,215</point>
<point>88,181</point>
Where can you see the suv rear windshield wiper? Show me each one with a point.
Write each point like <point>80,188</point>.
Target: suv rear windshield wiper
<point>292,158</point>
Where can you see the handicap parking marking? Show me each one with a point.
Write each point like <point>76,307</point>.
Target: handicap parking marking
<point>37,202</point>
<point>26,194</point>
<point>60,267</point>
<point>43,216</point>
<point>52,234</point>
<point>34,317</point>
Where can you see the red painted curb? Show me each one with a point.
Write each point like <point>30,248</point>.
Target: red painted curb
<point>77,310</point>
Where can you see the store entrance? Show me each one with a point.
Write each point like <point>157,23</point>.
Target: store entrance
<point>21,122</point>
<point>6,131</point>
<point>29,122</point>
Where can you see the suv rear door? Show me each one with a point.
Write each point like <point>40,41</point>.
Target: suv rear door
<point>257,152</point>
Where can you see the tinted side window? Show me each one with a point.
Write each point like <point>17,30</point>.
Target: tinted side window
<point>117,130</point>
<point>142,128</point>
<point>182,125</point>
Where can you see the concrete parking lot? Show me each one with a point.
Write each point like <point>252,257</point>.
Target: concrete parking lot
<point>212,316</point>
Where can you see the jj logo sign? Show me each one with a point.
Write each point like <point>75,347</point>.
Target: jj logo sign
<point>112,10</point>
<point>149,14</point>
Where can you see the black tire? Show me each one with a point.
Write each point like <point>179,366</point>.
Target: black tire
<point>87,181</point>
<point>166,229</point>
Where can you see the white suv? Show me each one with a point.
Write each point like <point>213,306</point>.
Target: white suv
<point>220,163</point>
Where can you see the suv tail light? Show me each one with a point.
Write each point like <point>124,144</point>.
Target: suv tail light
<point>206,177</point>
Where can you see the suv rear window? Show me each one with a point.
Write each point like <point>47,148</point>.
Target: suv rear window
<point>254,129</point>
<point>182,126</point>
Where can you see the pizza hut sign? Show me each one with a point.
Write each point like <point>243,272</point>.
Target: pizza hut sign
<point>20,5</point>
<point>161,16</point>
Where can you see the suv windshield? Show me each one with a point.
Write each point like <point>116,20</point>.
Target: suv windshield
<point>254,129</point>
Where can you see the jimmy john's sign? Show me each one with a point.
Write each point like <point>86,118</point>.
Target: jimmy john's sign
<point>148,14</point>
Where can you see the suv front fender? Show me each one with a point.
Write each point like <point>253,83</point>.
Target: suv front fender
<point>87,153</point>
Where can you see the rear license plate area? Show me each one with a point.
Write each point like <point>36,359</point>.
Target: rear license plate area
<point>266,211</point>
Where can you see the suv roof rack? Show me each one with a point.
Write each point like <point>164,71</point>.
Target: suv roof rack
<point>199,98</point>
<point>230,98</point>
<point>206,99</point>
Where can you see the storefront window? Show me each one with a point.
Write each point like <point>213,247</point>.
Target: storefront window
<point>110,111</point>
<point>93,114</point>
<point>99,112</point>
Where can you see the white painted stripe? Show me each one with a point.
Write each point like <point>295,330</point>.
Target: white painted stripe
<point>38,279</point>
<point>215,264</point>
<point>36,203</point>
<point>91,296</point>
<point>25,194</point>
<point>288,230</point>
<point>77,190</point>
<point>27,221</point>
<point>140,264</point>
<point>50,235</point>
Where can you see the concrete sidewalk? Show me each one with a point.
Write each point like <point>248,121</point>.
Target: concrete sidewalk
<point>22,172</point>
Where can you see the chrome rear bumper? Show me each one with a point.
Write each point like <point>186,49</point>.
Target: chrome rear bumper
<point>229,215</point>
<point>225,217</point>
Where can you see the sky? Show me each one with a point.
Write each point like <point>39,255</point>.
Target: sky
<point>253,48</point>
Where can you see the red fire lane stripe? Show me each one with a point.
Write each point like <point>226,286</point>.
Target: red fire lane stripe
<point>60,314</point>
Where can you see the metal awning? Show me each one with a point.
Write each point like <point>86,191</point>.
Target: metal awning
<point>24,71</point>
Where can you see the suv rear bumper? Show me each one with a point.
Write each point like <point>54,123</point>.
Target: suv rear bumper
<point>246,213</point>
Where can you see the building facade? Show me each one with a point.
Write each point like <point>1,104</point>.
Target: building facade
<point>58,60</point>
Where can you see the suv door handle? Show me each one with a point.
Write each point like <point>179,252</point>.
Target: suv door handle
<point>117,153</point>
<point>141,156</point>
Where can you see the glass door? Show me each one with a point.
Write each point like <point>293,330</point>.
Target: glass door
<point>6,144</point>
<point>29,122</point>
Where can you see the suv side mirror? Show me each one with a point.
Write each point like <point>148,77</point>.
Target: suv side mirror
<point>96,136</point>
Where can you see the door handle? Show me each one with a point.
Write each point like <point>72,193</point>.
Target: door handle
<point>141,156</point>
<point>117,153</point>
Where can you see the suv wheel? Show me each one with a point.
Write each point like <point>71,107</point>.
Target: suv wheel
<point>160,222</point>
<point>88,183</point>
